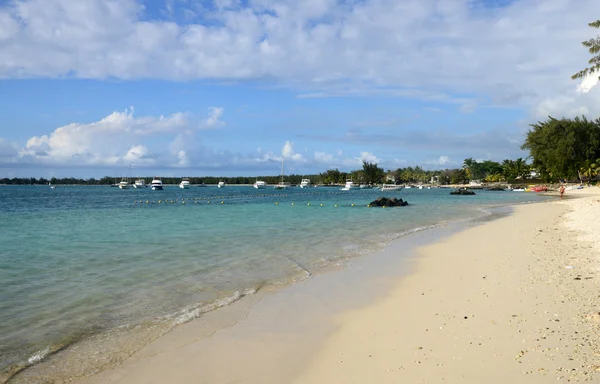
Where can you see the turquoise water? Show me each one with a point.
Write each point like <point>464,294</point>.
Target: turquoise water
<point>99,263</point>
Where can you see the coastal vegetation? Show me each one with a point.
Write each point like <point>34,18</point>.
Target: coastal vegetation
<point>565,149</point>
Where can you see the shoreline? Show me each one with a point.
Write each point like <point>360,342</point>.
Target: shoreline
<point>245,307</point>
<point>465,318</point>
<point>223,317</point>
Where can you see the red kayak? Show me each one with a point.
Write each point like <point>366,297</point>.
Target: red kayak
<point>539,188</point>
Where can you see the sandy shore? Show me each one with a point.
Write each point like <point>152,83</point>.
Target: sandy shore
<point>512,300</point>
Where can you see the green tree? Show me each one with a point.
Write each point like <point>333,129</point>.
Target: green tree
<point>589,169</point>
<point>560,147</point>
<point>521,168</point>
<point>458,176</point>
<point>509,169</point>
<point>372,173</point>
<point>593,46</point>
<point>474,170</point>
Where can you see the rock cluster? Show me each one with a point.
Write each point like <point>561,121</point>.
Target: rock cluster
<point>388,202</point>
<point>463,192</point>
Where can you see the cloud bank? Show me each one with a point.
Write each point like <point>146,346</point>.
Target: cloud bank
<point>419,48</point>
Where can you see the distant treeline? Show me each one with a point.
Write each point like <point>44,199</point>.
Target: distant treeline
<point>370,174</point>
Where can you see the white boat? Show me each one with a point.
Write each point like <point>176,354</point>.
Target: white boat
<point>156,184</point>
<point>221,184</point>
<point>124,184</point>
<point>305,183</point>
<point>52,186</point>
<point>518,189</point>
<point>259,184</point>
<point>282,184</point>
<point>139,183</point>
<point>390,187</point>
<point>185,183</point>
<point>349,185</point>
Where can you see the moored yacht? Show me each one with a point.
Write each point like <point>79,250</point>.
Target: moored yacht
<point>349,185</point>
<point>221,184</point>
<point>259,184</point>
<point>156,184</point>
<point>139,183</point>
<point>305,183</point>
<point>390,187</point>
<point>185,183</point>
<point>124,184</point>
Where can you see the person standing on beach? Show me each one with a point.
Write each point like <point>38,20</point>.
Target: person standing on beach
<point>561,190</point>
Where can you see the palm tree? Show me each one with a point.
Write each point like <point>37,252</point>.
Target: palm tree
<point>589,169</point>
<point>593,46</point>
<point>521,168</point>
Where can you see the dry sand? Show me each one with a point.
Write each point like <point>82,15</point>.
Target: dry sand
<point>514,300</point>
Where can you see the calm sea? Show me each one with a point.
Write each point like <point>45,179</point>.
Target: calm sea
<point>103,271</point>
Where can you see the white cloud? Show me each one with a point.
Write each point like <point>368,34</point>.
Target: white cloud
<point>288,152</point>
<point>323,157</point>
<point>118,138</point>
<point>588,82</point>
<point>443,160</point>
<point>368,157</point>
<point>520,54</point>
<point>214,114</point>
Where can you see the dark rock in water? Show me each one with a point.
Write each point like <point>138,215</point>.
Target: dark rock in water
<point>462,191</point>
<point>387,202</point>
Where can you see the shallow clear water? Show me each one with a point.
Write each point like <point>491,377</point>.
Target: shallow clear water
<point>81,263</point>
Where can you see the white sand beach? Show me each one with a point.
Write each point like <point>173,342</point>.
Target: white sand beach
<point>511,300</point>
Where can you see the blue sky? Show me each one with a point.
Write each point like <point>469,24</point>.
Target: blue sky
<point>226,87</point>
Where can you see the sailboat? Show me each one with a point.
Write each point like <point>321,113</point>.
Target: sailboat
<point>282,184</point>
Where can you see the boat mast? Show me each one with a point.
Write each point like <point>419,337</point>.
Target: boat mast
<point>282,167</point>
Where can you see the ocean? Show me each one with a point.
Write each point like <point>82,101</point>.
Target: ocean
<point>88,275</point>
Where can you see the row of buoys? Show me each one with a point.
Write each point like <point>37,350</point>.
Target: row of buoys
<point>167,202</point>
<point>223,202</point>
<point>261,195</point>
<point>237,197</point>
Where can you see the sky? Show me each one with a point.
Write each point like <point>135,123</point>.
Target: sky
<point>90,88</point>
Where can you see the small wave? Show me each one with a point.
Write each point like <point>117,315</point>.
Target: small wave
<point>35,358</point>
<point>38,356</point>
<point>191,313</point>
<point>417,229</point>
<point>300,266</point>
